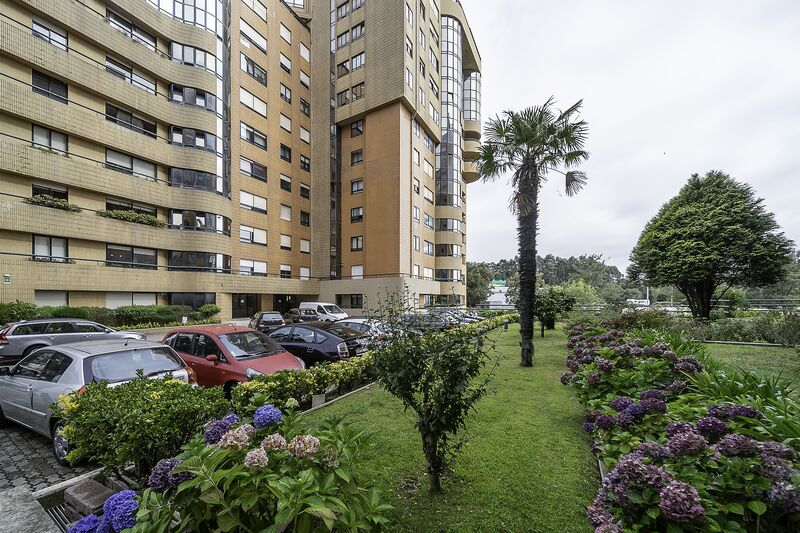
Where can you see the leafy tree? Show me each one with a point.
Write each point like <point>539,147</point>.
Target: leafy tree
<point>550,304</point>
<point>512,292</point>
<point>715,234</point>
<point>530,144</point>
<point>505,268</point>
<point>583,293</point>
<point>479,283</point>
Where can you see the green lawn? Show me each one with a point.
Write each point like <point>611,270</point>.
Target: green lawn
<point>526,466</point>
<point>766,360</point>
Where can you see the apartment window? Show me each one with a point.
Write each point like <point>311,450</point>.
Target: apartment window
<point>124,205</point>
<point>286,63</point>
<point>305,246</point>
<point>356,214</point>
<point>305,190</point>
<point>259,8</point>
<point>189,55</point>
<point>305,135</point>
<point>350,301</point>
<point>253,102</point>
<point>199,261</point>
<point>421,11</point>
<point>422,68</point>
<point>341,11</point>
<point>286,271</point>
<point>253,136</point>
<point>434,60</point>
<point>428,195</point>
<point>357,186</point>
<point>409,46</point>
<point>342,98</point>
<point>252,169</point>
<point>357,32</point>
<point>428,221</point>
<point>448,224</point>
<point>415,271</point>
<point>50,249</point>
<point>305,273</point>
<point>130,165</point>
<point>305,218</point>
<point>286,94</point>
<point>357,4</point>
<point>251,36</point>
<point>187,220</point>
<point>195,300</point>
<point>305,80</point>
<point>433,112</point>
<point>357,272</point>
<point>428,248</point>
<point>428,142</point>
<point>416,243</point>
<point>356,157</point>
<point>286,183</point>
<point>434,87</point>
<point>416,185</point>
<point>286,153</point>
<point>286,34</point>
<point>415,128</point>
<point>130,75</point>
<point>416,213</point>
<point>55,140</point>
<point>448,250</point>
<point>343,68</point>
<point>253,69</point>
<point>357,61</point>
<point>44,190</point>
<point>131,30</point>
<point>286,242</point>
<point>416,157</point>
<point>409,78</point>
<point>50,33</point>
<point>358,92</point>
<point>252,202</point>
<point>131,257</point>
<point>409,15</point>
<point>421,96</point>
<point>427,168</point>
<point>343,39</point>
<point>193,97</point>
<point>195,179</point>
<point>305,108</point>
<point>434,35</point>
<point>357,128</point>
<point>50,87</point>
<point>286,123</point>
<point>421,39</point>
<point>252,235</point>
<point>192,138</point>
<point>249,267</point>
<point>305,52</point>
<point>286,213</point>
<point>427,273</point>
<point>126,119</point>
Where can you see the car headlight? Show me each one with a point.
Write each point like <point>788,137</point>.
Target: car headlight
<point>251,373</point>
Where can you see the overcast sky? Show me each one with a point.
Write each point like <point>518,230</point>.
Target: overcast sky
<point>670,87</point>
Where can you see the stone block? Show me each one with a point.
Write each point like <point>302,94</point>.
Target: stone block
<point>87,497</point>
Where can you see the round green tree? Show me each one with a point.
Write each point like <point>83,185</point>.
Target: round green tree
<point>713,235</point>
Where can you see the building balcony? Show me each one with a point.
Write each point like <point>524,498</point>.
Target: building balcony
<point>472,149</point>
<point>472,129</point>
<point>470,171</point>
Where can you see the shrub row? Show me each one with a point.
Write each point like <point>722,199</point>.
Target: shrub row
<point>128,316</point>
<point>691,446</point>
<point>133,216</point>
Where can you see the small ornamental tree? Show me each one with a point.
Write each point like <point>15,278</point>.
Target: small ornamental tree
<point>479,283</point>
<point>550,304</point>
<point>715,234</point>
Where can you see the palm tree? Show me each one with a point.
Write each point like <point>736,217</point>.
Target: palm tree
<point>530,144</point>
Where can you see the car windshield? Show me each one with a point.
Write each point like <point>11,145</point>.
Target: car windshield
<point>340,331</point>
<point>272,315</point>
<point>332,309</point>
<point>122,366</point>
<point>309,312</point>
<point>249,344</point>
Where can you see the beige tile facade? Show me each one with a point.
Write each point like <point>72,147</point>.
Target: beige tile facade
<point>297,211</point>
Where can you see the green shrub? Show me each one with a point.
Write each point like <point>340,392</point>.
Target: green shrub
<point>15,311</point>
<point>65,311</point>
<point>133,216</point>
<point>102,315</point>
<point>139,422</point>
<point>45,200</point>
<point>209,310</point>
<point>141,314</point>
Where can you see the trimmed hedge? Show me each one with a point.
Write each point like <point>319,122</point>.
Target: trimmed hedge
<point>133,216</point>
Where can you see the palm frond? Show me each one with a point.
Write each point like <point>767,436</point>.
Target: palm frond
<point>574,181</point>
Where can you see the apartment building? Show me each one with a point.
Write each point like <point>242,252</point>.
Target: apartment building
<point>139,138</point>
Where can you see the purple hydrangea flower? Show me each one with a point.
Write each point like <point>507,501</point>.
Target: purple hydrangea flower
<point>597,514</point>
<point>620,403</point>
<point>656,477</point>
<point>687,443</point>
<point>681,502</point>
<point>566,377</point>
<point>303,446</point>
<point>274,442</point>
<point>784,496</point>
<point>120,509</point>
<point>605,365</point>
<point>677,387</point>
<point>736,445</point>
<point>266,416</point>
<point>631,414</point>
<point>256,458</point>
<point>608,527</point>
<point>593,378</point>
<point>87,524</point>
<point>160,475</point>
<point>777,469</point>
<point>588,427</point>
<point>232,418</point>
<point>604,421</point>
<point>215,430</point>
<point>669,355</point>
<point>674,428</point>
<point>653,393</point>
<point>653,450</point>
<point>688,365</point>
<point>735,410</point>
<point>777,449</point>
<point>591,416</point>
<point>711,428</point>
<point>654,405</point>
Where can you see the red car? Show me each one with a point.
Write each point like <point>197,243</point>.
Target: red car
<point>226,355</point>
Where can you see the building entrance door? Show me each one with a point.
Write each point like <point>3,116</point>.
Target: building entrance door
<point>283,302</point>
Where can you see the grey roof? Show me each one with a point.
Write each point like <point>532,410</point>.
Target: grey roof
<point>90,348</point>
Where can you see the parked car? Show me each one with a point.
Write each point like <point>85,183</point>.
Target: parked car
<point>18,339</point>
<point>368,326</point>
<point>327,312</point>
<point>227,355</point>
<point>293,316</point>
<point>425,322</point>
<point>267,321</point>
<point>320,341</point>
<point>28,388</point>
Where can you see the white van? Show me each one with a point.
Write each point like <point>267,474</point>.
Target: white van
<point>327,312</point>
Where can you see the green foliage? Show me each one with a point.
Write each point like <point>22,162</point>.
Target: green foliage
<point>65,311</point>
<point>139,422</point>
<point>15,311</point>
<point>714,234</point>
<point>552,303</point>
<point>479,283</point>
<point>583,293</point>
<point>133,216</point>
<point>153,314</point>
<point>45,200</point>
<point>209,310</point>
<point>320,492</point>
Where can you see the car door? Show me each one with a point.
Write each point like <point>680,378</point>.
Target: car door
<point>183,344</point>
<point>306,345</point>
<point>16,396</point>
<point>208,373</point>
<point>88,331</point>
<point>47,390</point>
<point>283,336</point>
<point>61,333</point>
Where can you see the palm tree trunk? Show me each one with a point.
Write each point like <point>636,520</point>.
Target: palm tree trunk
<point>526,233</point>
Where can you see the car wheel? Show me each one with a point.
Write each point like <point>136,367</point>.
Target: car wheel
<point>29,349</point>
<point>60,444</point>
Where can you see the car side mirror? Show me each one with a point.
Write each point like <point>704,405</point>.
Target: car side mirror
<point>5,370</point>
<point>213,358</point>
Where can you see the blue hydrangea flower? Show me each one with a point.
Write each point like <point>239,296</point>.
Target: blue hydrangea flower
<point>620,403</point>
<point>232,418</point>
<point>87,524</point>
<point>687,443</point>
<point>588,427</point>
<point>215,430</point>
<point>266,416</point>
<point>711,427</point>
<point>120,509</point>
<point>654,405</point>
<point>604,421</point>
<point>653,393</point>
<point>162,477</point>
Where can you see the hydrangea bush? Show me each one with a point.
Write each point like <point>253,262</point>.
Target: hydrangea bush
<point>684,456</point>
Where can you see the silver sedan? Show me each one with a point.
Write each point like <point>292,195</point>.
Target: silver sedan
<point>28,388</point>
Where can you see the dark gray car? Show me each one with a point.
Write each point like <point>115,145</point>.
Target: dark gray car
<point>28,388</point>
<point>18,339</point>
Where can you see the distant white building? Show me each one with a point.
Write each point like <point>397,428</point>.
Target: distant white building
<point>497,298</point>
